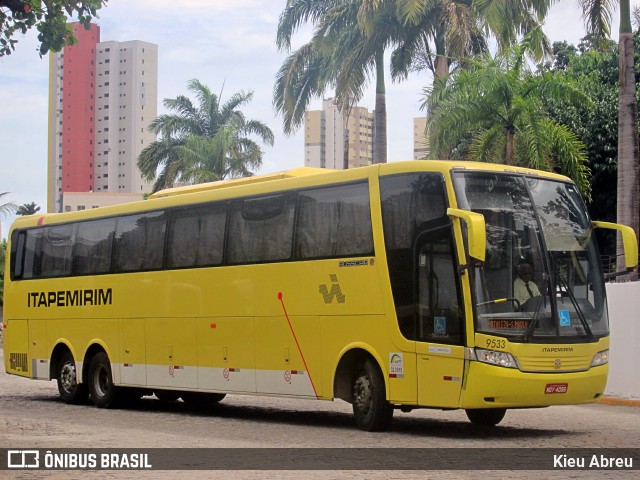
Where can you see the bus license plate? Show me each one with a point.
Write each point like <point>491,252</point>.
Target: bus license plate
<point>552,388</point>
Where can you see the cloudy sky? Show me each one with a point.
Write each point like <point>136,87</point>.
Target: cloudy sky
<point>215,41</point>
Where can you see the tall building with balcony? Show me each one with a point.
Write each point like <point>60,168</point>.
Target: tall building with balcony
<point>333,142</point>
<point>102,97</point>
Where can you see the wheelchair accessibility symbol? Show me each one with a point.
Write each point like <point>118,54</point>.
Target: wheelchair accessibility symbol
<point>565,319</point>
<point>440,325</point>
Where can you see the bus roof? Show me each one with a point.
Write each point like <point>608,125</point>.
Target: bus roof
<point>296,172</point>
<point>442,166</point>
<point>437,165</point>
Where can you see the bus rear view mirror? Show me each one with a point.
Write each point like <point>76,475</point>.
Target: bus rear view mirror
<point>629,241</point>
<point>476,231</point>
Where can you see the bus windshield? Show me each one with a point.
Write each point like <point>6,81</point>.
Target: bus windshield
<point>541,279</point>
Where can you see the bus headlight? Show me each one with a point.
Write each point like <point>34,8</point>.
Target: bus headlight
<point>501,359</point>
<point>600,358</point>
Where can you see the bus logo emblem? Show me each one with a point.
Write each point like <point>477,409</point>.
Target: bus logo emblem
<point>334,292</point>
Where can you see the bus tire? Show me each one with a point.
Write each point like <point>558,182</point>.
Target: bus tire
<point>104,394</point>
<point>201,398</point>
<point>70,390</point>
<point>371,410</point>
<point>486,417</point>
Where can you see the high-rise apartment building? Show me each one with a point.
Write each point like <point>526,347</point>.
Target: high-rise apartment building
<point>102,97</point>
<point>332,142</point>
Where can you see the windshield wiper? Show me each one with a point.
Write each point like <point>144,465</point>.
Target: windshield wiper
<point>563,283</point>
<point>534,319</point>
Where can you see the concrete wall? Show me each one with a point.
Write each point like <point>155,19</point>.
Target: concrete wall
<point>624,318</point>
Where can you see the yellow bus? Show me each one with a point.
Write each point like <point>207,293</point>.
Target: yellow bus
<point>390,287</point>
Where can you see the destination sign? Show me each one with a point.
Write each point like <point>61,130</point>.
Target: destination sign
<point>508,323</point>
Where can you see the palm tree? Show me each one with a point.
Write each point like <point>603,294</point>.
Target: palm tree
<point>500,102</point>
<point>628,158</point>
<point>203,143</point>
<point>347,49</point>
<point>452,30</point>
<point>6,208</point>
<point>28,209</point>
<point>350,39</point>
<point>339,55</point>
<point>597,14</point>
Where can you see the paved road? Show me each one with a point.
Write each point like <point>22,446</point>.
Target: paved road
<point>32,416</point>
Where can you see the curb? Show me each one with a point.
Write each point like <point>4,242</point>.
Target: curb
<point>620,402</point>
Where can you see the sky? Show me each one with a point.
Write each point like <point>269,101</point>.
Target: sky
<point>222,43</point>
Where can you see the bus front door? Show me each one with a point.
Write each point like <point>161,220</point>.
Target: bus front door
<point>439,320</point>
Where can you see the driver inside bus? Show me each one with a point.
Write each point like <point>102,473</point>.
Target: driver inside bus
<point>524,288</point>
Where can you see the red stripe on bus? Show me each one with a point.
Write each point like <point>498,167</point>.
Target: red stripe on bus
<point>297,343</point>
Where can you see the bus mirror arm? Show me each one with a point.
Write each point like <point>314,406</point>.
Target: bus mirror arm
<point>629,242</point>
<point>476,235</point>
<point>472,264</point>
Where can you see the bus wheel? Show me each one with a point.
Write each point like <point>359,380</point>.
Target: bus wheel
<point>486,417</point>
<point>167,395</point>
<point>370,407</point>
<point>70,390</point>
<point>104,393</point>
<point>201,398</point>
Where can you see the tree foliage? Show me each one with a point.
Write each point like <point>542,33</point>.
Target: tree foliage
<point>3,254</point>
<point>28,209</point>
<point>350,39</point>
<point>340,55</point>
<point>461,28</point>
<point>49,17</point>
<point>500,102</point>
<point>596,123</point>
<point>8,207</point>
<point>5,209</point>
<point>203,143</point>
<point>597,17</point>
<point>596,71</point>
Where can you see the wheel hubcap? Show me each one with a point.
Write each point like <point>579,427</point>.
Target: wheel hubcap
<point>68,376</point>
<point>362,394</point>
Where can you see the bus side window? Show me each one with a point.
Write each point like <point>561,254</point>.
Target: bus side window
<point>33,253</point>
<point>261,229</point>
<point>57,250</point>
<point>92,251</point>
<point>196,236</point>
<point>184,233</point>
<point>17,254</point>
<point>140,242</point>
<point>334,222</point>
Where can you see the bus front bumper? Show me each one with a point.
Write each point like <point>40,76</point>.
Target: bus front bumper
<point>489,386</point>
